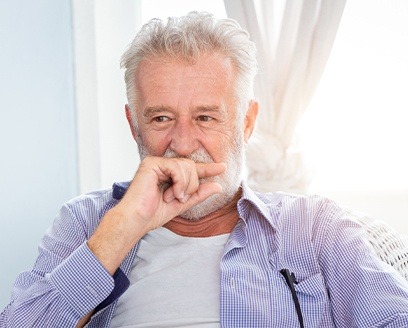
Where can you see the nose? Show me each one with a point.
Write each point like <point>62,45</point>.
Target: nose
<point>184,140</point>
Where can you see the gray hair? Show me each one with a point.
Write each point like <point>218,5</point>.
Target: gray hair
<point>187,38</point>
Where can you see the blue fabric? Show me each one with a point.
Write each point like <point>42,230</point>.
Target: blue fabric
<point>121,285</point>
<point>340,280</point>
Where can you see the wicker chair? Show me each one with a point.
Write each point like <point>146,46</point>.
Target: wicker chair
<point>390,246</point>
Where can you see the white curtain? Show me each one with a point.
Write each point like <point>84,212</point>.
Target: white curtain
<point>293,47</point>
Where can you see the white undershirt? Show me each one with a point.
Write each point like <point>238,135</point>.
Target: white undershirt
<point>174,282</point>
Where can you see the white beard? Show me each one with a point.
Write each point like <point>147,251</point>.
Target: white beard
<point>230,180</point>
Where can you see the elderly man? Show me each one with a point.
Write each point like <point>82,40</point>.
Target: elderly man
<point>187,243</point>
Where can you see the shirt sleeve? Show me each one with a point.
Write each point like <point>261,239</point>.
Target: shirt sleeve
<point>364,291</point>
<point>66,282</point>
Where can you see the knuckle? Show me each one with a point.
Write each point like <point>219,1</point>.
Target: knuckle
<point>147,161</point>
<point>179,164</point>
<point>185,163</point>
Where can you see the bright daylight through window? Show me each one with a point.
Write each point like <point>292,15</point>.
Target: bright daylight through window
<point>353,133</point>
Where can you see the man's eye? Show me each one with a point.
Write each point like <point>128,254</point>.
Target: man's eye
<point>204,118</point>
<point>161,119</point>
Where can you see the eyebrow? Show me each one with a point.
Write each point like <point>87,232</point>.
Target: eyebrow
<point>208,109</point>
<point>149,111</point>
<point>211,109</point>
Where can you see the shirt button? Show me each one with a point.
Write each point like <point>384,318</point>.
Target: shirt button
<point>232,283</point>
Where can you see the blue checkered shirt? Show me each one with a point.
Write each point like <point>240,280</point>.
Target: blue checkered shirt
<point>340,282</point>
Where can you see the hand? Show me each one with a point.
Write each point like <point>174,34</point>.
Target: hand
<point>151,203</point>
<point>148,204</point>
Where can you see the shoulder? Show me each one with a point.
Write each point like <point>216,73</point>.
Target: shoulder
<point>282,208</point>
<point>312,206</point>
<point>84,212</point>
<point>90,200</point>
<point>310,216</point>
<point>90,204</point>
<point>98,200</point>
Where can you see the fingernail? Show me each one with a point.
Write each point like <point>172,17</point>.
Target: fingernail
<point>185,199</point>
<point>181,196</point>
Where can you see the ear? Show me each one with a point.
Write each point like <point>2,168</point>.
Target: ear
<point>250,119</point>
<point>130,121</point>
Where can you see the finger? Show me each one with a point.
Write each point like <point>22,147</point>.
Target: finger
<point>184,179</point>
<point>192,183</point>
<point>177,170</point>
<point>205,170</point>
<point>188,183</point>
<point>205,190</point>
<point>191,187</point>
<point>168,195</point>
<point>185,175</point>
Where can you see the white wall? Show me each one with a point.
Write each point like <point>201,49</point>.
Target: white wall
<point>37,131</point>
<point>102,31</point>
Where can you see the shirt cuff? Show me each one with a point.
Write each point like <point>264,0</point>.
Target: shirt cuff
<point>122,283</point>
<point>82,280</point>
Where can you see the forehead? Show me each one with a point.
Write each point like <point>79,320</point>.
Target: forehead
<point>209,75</point>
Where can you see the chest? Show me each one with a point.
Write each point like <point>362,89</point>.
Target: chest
<point>246,284</point>
<point>174,282</point>
<point>255,294</point>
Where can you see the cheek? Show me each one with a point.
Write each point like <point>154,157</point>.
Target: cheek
<point>155,142</point>
<point>217,148</point>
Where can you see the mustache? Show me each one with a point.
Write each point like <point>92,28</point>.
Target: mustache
<point>197,156</point>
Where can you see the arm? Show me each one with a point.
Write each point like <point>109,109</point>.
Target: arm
<point>73,275</point>
<point>147,205</point>
<point>364,291</point>
<point>66,279</point>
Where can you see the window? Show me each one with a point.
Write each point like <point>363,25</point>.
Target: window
<point>354,132</point>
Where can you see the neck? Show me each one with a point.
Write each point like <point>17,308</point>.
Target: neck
<point>219,222</point>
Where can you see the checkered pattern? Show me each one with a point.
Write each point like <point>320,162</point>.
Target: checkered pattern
<point>340,280</point>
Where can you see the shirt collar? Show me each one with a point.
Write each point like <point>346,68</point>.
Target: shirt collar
<point>264,204</point>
